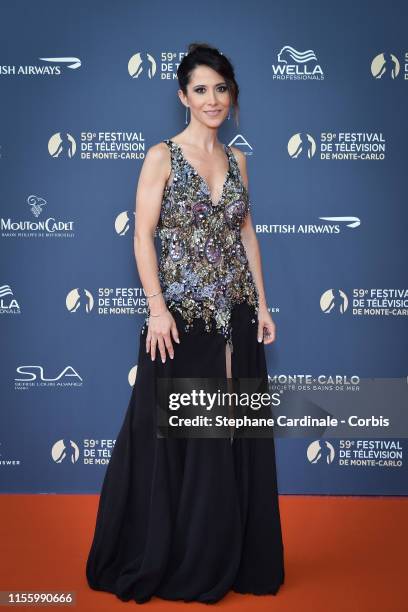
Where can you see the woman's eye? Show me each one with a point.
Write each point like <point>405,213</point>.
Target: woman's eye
<point>221,88</point>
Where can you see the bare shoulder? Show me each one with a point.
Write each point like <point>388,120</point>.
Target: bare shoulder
<point>158,153</point>
<point>157,160</point>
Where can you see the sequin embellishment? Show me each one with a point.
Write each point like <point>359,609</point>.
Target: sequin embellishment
<point>203,267</point>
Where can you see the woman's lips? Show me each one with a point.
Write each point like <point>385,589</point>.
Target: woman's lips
<point>213,113</point>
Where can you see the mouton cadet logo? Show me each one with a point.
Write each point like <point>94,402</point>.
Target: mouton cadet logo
<point>37,228</point>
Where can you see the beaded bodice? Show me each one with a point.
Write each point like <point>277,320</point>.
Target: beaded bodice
<point>203,267</point>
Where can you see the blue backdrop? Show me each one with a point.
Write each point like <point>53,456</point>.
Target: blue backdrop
<point>86,89</point>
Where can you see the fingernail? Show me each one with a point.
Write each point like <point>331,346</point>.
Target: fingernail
<point>171,356</point>
<point>259,339</point>
<point>163,360</point>
<point>177,340</point>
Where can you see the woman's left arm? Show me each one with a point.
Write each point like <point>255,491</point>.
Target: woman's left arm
<point>266,326</point>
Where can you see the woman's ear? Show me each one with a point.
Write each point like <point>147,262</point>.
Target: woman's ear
<point>182,97</point>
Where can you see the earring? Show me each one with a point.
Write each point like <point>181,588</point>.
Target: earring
<point>229,113</point>
<point>187,107</point>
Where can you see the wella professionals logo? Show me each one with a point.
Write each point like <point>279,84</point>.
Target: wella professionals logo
<point>8,303</point>
<point>385,65</point>
<point>334,300</point>
<point>62,144</point>
<point>53,66</point>
<point>241,143</point>
<point>297,65</point>
<point>142,65</point>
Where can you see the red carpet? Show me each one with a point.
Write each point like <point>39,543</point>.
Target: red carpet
<point>341,553</point>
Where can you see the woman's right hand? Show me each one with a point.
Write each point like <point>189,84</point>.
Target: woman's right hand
<point>158,334</point>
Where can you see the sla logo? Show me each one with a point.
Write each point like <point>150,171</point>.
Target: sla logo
<point>297,65</point>
<point>385,63</point>
<point>334,300</point>
<point>320,450</point>
<point>139,64</point>
<point>79,298</point>
<point>241,143</point>
<point>8,305</point>
<point>301,145</point>
<point>36,372</point>
<point>65,450</point>
<point>132,375</point>
<point>61,144</point>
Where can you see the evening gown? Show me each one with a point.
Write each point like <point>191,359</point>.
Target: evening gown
<point>193,518</point>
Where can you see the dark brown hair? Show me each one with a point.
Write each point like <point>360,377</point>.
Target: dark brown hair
<point>203,54</point>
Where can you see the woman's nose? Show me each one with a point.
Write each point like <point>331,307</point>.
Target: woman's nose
<point>212,97</point>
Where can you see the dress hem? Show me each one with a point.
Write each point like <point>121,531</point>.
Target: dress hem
<point>258,592</point>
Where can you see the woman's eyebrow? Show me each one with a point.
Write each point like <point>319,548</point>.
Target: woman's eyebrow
<point>203,84</point>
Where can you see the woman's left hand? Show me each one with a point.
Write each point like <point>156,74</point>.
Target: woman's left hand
<point>266,326</point>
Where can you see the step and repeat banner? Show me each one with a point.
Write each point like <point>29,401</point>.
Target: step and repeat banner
<point>86,89</point>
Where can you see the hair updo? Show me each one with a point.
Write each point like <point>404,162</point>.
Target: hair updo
<point>200,54</point>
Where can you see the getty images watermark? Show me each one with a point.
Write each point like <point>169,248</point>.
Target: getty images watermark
<point>246,407</point>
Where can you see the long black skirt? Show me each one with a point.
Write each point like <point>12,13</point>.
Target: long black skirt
<point>189,518</point>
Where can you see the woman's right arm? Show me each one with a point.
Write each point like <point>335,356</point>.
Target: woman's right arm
<point>149,193</point>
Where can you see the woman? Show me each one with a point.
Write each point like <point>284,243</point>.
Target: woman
<point>192,518</point>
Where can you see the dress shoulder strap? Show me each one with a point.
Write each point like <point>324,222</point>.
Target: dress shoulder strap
<point>174,154</point>
<point>175,161</point>
<point>234,163</point>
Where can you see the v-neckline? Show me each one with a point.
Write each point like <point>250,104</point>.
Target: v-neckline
<point>215,204</point>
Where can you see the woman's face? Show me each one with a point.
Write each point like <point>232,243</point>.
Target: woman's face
<point>207,96</point>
